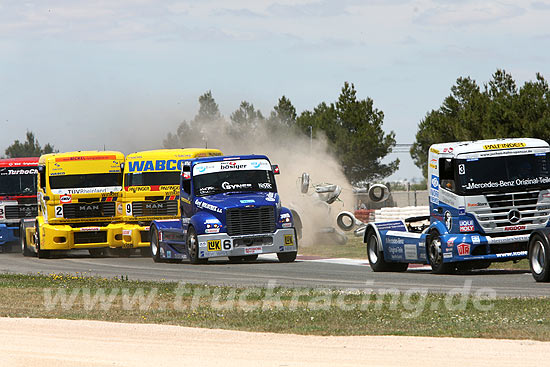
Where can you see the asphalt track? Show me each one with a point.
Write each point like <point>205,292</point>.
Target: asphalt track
<point>268,271</point>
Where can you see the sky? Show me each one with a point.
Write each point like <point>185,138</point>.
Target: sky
<point>122,74</point>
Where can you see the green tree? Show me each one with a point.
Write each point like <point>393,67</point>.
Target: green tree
<point>193,133</point>
<point>284,112</point>
<point>353,128</point>
<point>28,148</point>
<point>498,110</point>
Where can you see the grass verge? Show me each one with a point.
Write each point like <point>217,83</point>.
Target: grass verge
<point>280,310</point>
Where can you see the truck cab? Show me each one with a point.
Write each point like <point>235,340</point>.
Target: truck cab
<point>229,208</point>
<point>151,191</point>
<point>17,197</point>
<point>78,193</point>
<point>486,198</point>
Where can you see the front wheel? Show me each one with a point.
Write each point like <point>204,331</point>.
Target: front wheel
<point>193,247</point>
<point>23,239</point>
<point>539,258</point>
<point>376,257</point>
<point>435,255</point>
<point>287,257</point>
<point>155,245</point>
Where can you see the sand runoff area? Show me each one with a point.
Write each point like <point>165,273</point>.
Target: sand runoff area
<point>73,343</point>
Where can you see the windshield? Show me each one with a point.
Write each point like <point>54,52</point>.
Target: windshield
<point>18,181</point>
<point>152,178</point>
<point>234,181</point>
<point>508,173</point>
<point>86,180</point>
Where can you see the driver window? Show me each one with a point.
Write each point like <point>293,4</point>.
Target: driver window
<point>446,173</point>
<point>42,178</point>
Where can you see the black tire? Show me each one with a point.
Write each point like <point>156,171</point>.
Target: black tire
<point>287,257</point>
<point>42,254</point>
<point>155,247</point>
<point>539,258</point>
<point>342,224</point>
<point>435,255</point>
<point>376,257</point>
<point>193,247</point>
<point>23,240</point>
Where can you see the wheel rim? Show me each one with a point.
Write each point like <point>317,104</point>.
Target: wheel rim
<point>538,257</point>
<point>435,251</point>
<point>193,246</point>
<point>154,245</point>
<point>373,249</point>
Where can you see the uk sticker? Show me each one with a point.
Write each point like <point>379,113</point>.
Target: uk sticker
<point>289,240</point>
<point>214,245</point>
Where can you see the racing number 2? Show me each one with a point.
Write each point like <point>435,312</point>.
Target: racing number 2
<point>59,211</point>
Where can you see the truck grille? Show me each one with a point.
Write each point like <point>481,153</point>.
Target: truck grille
<point>90,237</point>
<point>496,217</point>
<point>21,211</point>
<point>244,221</point>
<point>91,210</point>
<point>153,208</point>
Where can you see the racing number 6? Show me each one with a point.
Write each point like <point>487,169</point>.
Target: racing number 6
<point>227,245</point>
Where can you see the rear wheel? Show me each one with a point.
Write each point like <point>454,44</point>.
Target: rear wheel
<point>435,255</point>
<point>155,246</point>
<point>376,257</point>
<point>539,258</point>
<point>193,247</point>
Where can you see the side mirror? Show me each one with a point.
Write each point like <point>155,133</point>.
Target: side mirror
<point>122,166</point>
<point>275,168</point>
<point>41,169</point>
<point>378,192</point>
<point>304,183</point>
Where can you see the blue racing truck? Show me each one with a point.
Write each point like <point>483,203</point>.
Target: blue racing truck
<point>487,198</point>
<point>229,208</point>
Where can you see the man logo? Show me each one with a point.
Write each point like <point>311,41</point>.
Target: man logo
<point>514,216</point>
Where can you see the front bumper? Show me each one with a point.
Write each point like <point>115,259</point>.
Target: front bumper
<point>219,245</point>
<point>134,235</point>
<point>65,237</point>
<point>467,247</point>
<point>222,245</point>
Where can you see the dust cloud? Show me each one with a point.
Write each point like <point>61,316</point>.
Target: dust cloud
<point>295,153</point>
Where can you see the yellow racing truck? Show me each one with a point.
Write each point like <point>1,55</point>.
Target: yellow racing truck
<point>77,196</point>
<point>151,191</point>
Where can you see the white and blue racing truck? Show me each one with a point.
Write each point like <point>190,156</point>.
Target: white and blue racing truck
<point>488,198</point>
